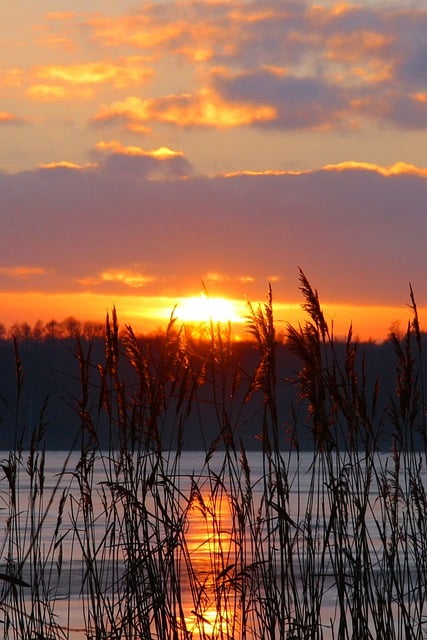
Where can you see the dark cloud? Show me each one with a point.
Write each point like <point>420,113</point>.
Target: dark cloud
<point>407,112</point>
<point>300,102</point>
<point>323,52</point>
<point>349,19</point>
<point>412,67</point>
<point>358,234</point>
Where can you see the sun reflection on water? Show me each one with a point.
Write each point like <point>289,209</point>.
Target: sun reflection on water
<point>213,612</point>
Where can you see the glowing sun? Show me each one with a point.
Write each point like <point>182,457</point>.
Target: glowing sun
<point>204,308</point>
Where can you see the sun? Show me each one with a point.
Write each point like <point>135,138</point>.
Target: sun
<point>203,308</point>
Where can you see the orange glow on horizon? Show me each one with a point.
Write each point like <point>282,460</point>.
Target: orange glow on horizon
<point>148,314</point>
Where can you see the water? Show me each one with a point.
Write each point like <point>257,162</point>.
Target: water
<point>265,559</point>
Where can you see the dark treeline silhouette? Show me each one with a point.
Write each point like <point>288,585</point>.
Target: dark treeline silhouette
<point>70,327</point>
<point>50,363</point>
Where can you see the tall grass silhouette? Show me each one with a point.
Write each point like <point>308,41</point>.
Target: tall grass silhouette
<point>336,548</point>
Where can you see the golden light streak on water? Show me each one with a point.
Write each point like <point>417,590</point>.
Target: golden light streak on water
<point>212,551</point>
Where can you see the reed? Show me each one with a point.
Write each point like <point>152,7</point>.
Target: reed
<point>336,548</point>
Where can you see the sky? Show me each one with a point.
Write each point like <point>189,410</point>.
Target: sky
<point>152,150</point>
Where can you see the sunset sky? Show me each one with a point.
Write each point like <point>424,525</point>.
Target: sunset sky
<point>150,147</point>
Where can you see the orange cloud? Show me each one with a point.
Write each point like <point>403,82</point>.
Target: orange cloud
<point>197,54</point>
<point>265,172</point>
<point>9,118</point>
<point>132,110</point>
<point>373,72</point>
<point>323,15</point>
<point>398,168</point>
<point>65,37</point>
<point>197,35</point>
<point>214,276</point>
<point>126,72</point>
<point>204,109</point>
<point>128,277</point>
<point>11,78</point>
<point>419,97</point>
<point>359,56</point>
<point>49,93</point>
<point>252,15</point>
<point>63,82</point>
<point>64,164</point>
<point>348,47</point>
<point>137,30</point>
<point>57,42</point>
<point>22,272</point>
<point>116,147</point>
